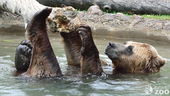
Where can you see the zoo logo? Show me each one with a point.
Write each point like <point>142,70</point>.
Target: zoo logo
<point>148,90</point>
<point>159,90</point>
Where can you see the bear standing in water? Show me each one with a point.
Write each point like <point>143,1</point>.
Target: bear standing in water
<point>90,62</point>
<point>72,46</point>
<point>43,61</point>
<point>134,57</point>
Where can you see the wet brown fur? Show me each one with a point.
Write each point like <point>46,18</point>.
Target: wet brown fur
<point>43,62</point>
<point>90,62</point>
<point>72,46</point>
<point>144,59</point>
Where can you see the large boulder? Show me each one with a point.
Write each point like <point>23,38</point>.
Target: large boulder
<point>132,6</point>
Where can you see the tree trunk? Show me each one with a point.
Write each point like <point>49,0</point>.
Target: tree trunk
<point>133,6</point>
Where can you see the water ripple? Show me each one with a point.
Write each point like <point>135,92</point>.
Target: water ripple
<point>5,61</point>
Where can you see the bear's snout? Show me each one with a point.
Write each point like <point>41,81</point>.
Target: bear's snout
<point>110,45</point>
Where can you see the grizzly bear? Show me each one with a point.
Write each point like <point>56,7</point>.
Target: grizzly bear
<point>134,57</point>
<point>43,61</point>
<point>72,46</point>
<point>72,42</point>
<point>90,62</point>
<point>66,21</point>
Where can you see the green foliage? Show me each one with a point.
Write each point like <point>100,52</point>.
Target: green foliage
<point>160,17</point>
<point>7,40</point>
<point>152,16</point>
<point>78,10</point>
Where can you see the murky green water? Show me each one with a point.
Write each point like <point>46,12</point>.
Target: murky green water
<point>75,85</point>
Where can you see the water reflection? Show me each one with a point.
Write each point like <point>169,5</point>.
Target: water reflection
<point>74,83</point>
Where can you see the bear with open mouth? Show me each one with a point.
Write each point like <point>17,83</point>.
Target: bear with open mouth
<point>38,50</point>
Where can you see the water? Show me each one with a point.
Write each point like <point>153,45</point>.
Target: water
<point>74,84</point>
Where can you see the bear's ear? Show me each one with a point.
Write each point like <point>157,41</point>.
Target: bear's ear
<point>154,64</point>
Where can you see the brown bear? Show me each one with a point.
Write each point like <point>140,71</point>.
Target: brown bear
<point>134,57</point>
<point>72,45</point>
<point>90,62</point>
<point>61,20</point>
<point>43,61</point>
<point>71,39</point>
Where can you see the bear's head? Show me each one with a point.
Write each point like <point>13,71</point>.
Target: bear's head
<point>134,57</point>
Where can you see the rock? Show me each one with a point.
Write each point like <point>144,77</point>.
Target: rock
<point>134,23</point>
<point>125,18</point>
<point>95,9</point>
<point>168,23</point>
<point>8,19</point>
<point>158,26</point>
<point>132,6</point>
<point>137,17</point>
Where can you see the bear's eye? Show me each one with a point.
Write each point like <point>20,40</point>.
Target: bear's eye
<point>125,43</point>
<point>129,50</point>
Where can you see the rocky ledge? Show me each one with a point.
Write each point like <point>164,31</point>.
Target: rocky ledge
<point>123,26</point>
<point>106,24</point>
